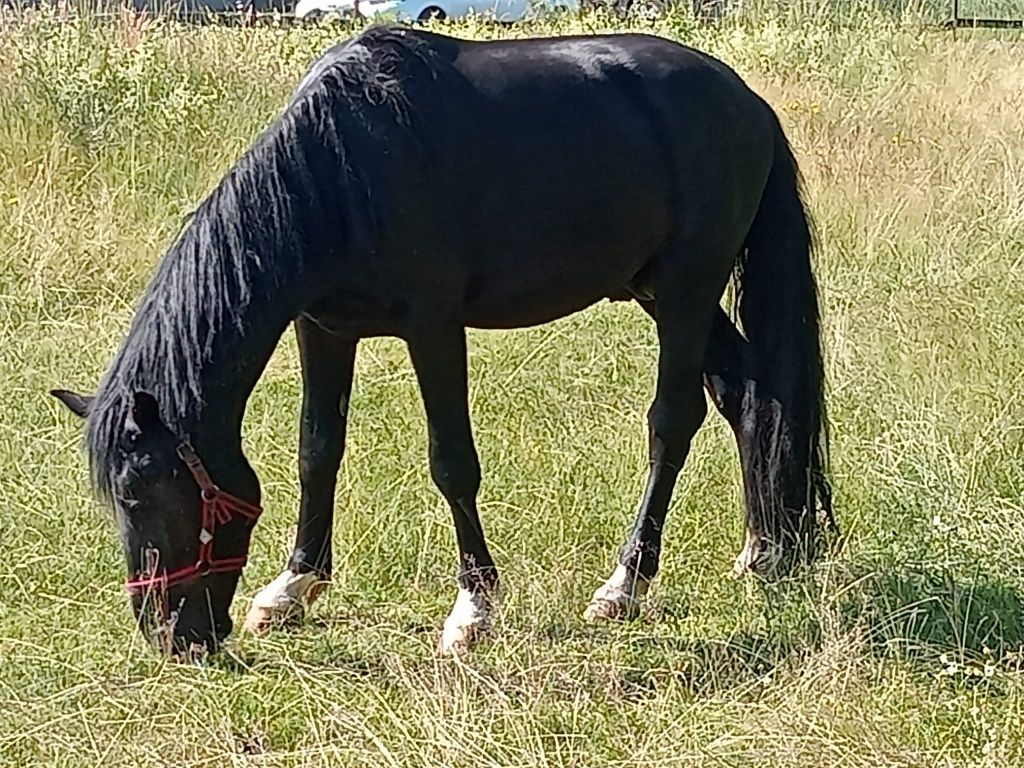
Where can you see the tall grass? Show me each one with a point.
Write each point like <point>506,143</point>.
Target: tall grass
<point>903,649</point>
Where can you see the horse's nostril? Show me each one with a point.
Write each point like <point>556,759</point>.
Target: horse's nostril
<point>192,651</point>
<point>157,629</point>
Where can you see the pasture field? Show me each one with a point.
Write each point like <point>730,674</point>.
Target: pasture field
<point>903,648</point>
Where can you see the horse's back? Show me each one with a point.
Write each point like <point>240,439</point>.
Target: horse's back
<point>556,74</point>
<point>539,175</point>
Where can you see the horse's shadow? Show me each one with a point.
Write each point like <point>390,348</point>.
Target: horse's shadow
<point>924,612</point>
<point>923,616</point>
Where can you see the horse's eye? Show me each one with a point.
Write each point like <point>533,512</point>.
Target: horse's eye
<point>128,440</point>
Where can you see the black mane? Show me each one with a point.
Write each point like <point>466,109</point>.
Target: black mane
<point>254,243</point>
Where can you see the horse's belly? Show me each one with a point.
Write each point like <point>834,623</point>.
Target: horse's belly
<point>559,257</point>
<point>517,311</point>
<point>517,291</point>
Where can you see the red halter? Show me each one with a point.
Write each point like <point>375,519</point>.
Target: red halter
<point>218,507</point>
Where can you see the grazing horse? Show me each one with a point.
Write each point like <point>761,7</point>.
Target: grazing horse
<point>417,185</point>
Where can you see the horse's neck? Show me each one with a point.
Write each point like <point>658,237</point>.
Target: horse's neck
<point>227,380</point>
<point>223,361</point>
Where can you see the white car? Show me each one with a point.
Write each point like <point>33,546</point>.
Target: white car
<point>423,10</point>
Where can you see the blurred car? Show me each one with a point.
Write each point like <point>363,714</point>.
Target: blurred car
<point>424,10</point>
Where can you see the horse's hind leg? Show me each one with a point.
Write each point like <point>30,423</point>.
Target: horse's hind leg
<point>684,311</point>
<point>327,367</point>
<point>723,365</point>
<point>725,383</point>
<point>723,369</point>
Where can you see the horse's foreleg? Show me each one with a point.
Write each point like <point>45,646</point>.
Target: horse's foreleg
<point>327,367</point>
<point>439,357</point>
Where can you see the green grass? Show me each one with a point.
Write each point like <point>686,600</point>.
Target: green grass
<point>903,649</point>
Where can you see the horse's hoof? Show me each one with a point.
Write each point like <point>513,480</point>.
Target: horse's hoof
<point>760,556</point>
<point>618,599</point>
<point>457,641</point>
<point>283,601</point>
<point>603,609</point>
<point>467,625</point>
<point>259,621</point>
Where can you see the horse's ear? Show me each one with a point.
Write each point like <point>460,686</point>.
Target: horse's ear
<point>76,403</point>
<point>144,414</point>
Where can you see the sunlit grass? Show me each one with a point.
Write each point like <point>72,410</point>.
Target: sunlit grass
<point>904,649</point>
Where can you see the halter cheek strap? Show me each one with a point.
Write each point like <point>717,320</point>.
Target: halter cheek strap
<point>219,507</point>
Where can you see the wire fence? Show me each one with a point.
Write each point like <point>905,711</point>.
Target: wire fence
<point>992,15</point>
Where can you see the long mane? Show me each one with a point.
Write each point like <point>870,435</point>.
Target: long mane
<point>289,203</point>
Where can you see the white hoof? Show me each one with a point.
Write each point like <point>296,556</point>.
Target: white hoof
<point>467,624</point>
<point>760,555</point>
<point>284,599</point>
<point>618,599</point>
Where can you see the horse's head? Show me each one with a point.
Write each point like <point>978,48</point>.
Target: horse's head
<point>185,540</point>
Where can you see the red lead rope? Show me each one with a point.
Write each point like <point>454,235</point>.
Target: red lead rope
<point>219,507</point>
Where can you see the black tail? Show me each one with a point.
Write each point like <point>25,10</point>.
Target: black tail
<point>784,443</point>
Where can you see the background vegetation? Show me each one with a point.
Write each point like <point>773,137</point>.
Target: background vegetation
<point>904,649</point>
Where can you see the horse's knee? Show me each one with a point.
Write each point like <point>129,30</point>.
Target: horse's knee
<point>319,458</point>
<point>314,466</point>
<point>455,469</point>
<point>675,417</point>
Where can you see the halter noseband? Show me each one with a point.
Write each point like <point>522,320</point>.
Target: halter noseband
<point>218,507</point>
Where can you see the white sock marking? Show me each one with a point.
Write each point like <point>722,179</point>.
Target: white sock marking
<point>760,555</point>
<point>470,617</point>
<point>618,597</point>
<point>623,584</point>
<point>281,598</point>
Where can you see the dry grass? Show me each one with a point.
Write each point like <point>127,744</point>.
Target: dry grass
<point>905,649</point>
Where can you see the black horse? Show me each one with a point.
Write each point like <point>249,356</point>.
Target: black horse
<point>418,184</point>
